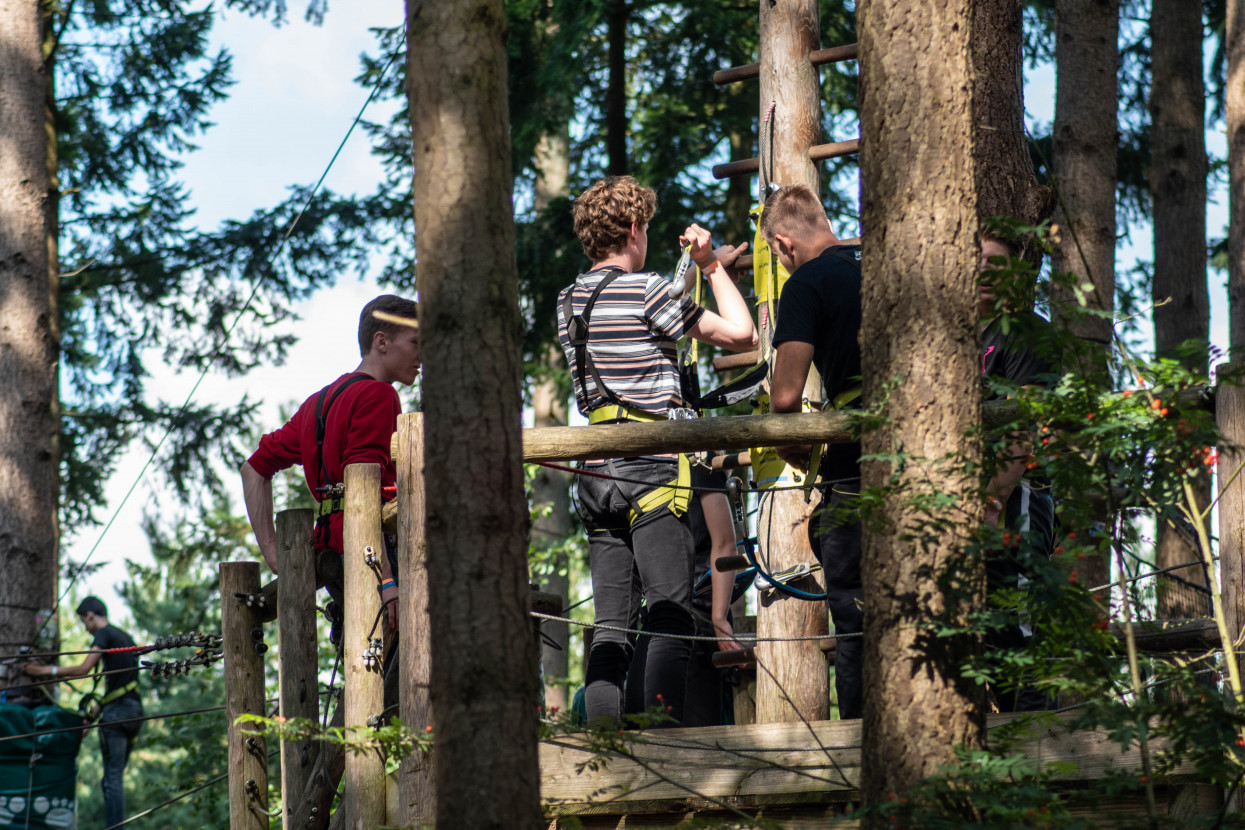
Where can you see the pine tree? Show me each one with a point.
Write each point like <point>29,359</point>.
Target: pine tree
<point>28,440</point>
<point>922,370</point>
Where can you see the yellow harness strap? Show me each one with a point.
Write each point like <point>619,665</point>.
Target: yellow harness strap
<point>675,494</point>
<point>614,412</point>
<point>841,401</point>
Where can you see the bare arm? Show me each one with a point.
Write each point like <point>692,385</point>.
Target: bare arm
<point>257,493</point>
<point>792,360</point>
<point>1004,482</point>
<point>717,511</point>
<point>84,668</point>
<point>731,327</point>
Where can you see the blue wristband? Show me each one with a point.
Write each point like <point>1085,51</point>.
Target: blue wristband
<point>388,583</point>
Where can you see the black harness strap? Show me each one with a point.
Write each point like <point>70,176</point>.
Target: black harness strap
<point>322,416</point>
<point>577,334</point>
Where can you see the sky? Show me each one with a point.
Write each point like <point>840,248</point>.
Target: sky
<point>294,100</point>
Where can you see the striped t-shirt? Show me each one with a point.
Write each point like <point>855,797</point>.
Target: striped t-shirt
<point>631,337</point>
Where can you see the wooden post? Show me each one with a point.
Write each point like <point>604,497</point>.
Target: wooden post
<point>1230,416</point>
<point>792,680</point>
<point>244,695</point>
<point>417,790</point>
<point>364,797</point>
<point>299,658</point>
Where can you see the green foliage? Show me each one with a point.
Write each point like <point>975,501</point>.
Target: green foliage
<point>135,82</point>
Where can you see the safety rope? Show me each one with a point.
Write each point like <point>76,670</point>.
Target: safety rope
<point>112,723</point>
<point>742,639</point>
<point>692,487</point>
<point>1159,572</point>
<point>207,364</point>
<point>194,640</point>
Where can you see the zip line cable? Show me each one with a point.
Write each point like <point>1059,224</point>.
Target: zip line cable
<point>237,319</point>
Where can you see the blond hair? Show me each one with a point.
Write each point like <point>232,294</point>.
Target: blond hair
<point>605,212</point>
<point>793,211</point>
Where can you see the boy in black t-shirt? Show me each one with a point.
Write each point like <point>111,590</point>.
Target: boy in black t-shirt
<point>120,704</point>
<point>819,325</point>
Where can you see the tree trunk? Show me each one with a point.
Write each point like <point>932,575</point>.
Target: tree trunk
<point>616,92</point>
<point>1086,136</point>
<point>1006,184</point>
<point>28,346</point>
<point>1178,171</point>
<point>920,224</point>
<point>794,681</point>
<point>484,681</point>
<point>1235,92</point>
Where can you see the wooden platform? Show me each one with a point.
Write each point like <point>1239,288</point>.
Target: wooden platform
<point>803,776</point>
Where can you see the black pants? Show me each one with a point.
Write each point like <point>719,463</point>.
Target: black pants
<point>838,546</point>
<point>646,557</point>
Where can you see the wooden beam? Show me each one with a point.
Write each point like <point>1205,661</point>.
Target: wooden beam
<point>778,763</point>
<point>244,695</point>
<point>736,361</point>
<point>818,152</point>
<point>416,783</point>
<point>818,57</point>
<point>298,669</point>
<point>363,800</point>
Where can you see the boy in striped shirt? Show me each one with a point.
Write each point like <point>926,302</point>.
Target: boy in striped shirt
<point>618,326</point>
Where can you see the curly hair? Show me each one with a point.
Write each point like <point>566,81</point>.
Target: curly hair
<point>605,212</point>
<point>794,210</point>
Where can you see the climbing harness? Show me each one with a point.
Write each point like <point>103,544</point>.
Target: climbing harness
<point>333,494</point>
<point>91,704</point>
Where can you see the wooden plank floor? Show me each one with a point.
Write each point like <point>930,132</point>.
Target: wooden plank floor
<point>803,775</point>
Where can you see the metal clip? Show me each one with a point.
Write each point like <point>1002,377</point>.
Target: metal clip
<point>370,557</point>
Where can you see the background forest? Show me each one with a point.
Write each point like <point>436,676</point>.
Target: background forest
<point>597,87</point>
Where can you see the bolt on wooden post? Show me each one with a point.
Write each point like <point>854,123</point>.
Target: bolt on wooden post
<point>796,684</point>
<point>296,635</point>
<point>364,546</point>
<point>244,695</point>
<point>417,788</point>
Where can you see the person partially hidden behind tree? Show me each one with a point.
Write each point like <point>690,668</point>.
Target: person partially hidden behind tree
<point>120,704</point>
<point>1022,353</point>
<point>618,326</point>
<point>819,325</point>
<point>350,421</point>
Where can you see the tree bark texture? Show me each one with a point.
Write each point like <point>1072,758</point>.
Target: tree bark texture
<point>794,684</point>
<point>919,325</point>
<point>1178,171</point>
<point>616,91</point>
<point>1086,135</point>
<point>1006,184</point>
<point>484,675</point>
<point>28,347</point>
<point>1235,93</point>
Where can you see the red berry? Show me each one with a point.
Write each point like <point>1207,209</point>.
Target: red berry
<point>1089,417</point>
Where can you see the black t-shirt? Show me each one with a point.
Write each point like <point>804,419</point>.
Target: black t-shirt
<point>1025,355</point>
<point>820,305</point>
<point>112,637</point>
